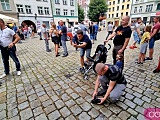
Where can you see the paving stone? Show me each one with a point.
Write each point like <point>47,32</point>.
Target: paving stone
<point>130,103</point>
<point>15,118</point>
<point>101,117</point>
<point>35,103</point>
<point>74,95</point>
<point>54,98</point>
<point>41,93</point>
<point>84,116</point>
<point>47,103</point>
<point>37,111</point>
<point>70,103</point>
<point>80,100</point>
<point>65,97</point>
<point>3,114</point>
<point>26,114</point>
<point>138,101</point>
<point>69,91</point>
<point>132,112</point>
<point>12,113</point>
<point>106,112</point>
<point>114,108</point>
<point>76,109</point>
<point>49,109</point>
<point>146,99</point>
<point>2,106</point>
<point>41,117</point>
<point>23,105</point>
<point>122,105</point>
<point>54,115</point>
<point>43,98</point>
<point>140,117</point>
<point>114,117</point>
<point>137,94</point>
<point>93,113</point>
<point>129,96</point>
<point>85,106</point>
<point>59,104</point>
<point>65,112</point>
<point>124,115</point>
<point>32,97</point>
<point>71,117</point>
<point>140,109</point>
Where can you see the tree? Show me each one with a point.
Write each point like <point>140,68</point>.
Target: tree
<point>80,14</point>
<point>97,8</point>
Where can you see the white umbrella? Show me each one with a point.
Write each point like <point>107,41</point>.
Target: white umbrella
<point>8,19</point>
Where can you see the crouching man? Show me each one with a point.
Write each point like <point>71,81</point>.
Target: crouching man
<point>112,81</point>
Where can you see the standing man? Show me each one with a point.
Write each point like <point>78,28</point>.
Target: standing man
<point>45,36</point>
<point>8,49</point>
<point>154,32</point>
<point>96,31</point>
<point>121,38</point>
<point>84,43</point>
<point>92,32</point>
<point>109,29</point>
<point>63,33</point>
<point>83,28</point>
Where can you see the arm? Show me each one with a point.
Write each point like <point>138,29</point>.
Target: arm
<point>154,32</point>
<point>81,45</point>
<point>96,86</point>
<point>110,37</point>
<point>17,38</point>
<point>124,46</point>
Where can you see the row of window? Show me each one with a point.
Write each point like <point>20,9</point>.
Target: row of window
<point>41,10</point>
<point>109,9</point>
<point>118,2</point>
<point>42,0</point>
<point>65,2</point>
<point>65,12</point>
<point>149,8</point>
<point>117,15</point>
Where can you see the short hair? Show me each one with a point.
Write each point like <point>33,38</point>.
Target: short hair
<point>99,67</point>
<point>80,32</point>
<point>157,17</point>
<point>1,20</point>
<point>148,28</point>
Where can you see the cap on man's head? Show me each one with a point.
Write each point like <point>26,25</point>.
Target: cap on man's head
<point>99,67</point>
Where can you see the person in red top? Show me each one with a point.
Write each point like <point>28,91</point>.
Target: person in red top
<point>154,31</point>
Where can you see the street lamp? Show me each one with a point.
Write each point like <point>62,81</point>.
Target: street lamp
<point>18,17</point>
<point>35,16</point>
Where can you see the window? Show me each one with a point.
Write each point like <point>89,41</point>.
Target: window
<point>46,10</point>
<point>64,2</point>
<point>28,9</point>
<point>112,15</point>
<point>5,5</point>
<point>40,10</point>
<point>72,12</point>
<point>58,11</point>
<point>140,8</point>
<point>109,16</point>
<point>113,2</point>
<point>116,14</point>
<point>71,2</point>
<point>45,0</point>
<point>128,0</point>
<point>109,9</point>
<point>20,8</point>
<point>123,0</point>
<point>158,6</point>
<point>57,2</point>
<point>121,14</point>
<point>122,7</point>
<point>109,3</point>
<point>126,13</point>
<point>65,11</point>
<point>149,8</point>
<point>38,0</point>
<point>117,7</point>
<point>118,1</point>
<point>113,8</point>
<point>127,6</point>
<point>135,9</point>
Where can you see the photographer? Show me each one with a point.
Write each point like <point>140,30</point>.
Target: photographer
<point>112,81</point>
<point>84,43</point>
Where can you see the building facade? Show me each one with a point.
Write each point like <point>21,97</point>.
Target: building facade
<point>66,10</point>
<point>146,9</point>
<point>7,8</point>
<point>117,9</point>
<point>34,12</point>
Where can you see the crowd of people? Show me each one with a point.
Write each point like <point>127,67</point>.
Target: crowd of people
<point>110,77</point>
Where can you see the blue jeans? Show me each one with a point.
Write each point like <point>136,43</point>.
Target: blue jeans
<point>151,43</point>
<point>82,52</point>
<point>47,45</point>
<point>64,47</point>
<point>95,36</point>
<point>6,52</point>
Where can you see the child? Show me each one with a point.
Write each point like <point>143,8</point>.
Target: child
<point>144,43</point>
<point>119,62</point>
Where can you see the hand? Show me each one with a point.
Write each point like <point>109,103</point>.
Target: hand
<point>102,100</point>
<point>94,94</point>
<point>10,45</point>
<point>74,45</point>
<point>105,41</point>
<point>120,51</point>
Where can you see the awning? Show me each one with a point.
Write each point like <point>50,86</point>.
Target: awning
<point>8,19</point>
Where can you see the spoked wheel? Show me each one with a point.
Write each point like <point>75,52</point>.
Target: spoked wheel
<point>86,77</point>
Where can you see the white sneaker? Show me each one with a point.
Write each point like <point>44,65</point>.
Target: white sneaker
<point>2,76</point>
<point>18,73</point>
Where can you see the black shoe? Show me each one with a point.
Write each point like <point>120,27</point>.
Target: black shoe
<point>102,92</point>
<point>82,70</point>
<point>95,100</point>
<point>148,58</point>
<point>65,55</point>
<point>156,71</point>
<point>57,55</point>
<point>49,51</point>
<point>139,63</point>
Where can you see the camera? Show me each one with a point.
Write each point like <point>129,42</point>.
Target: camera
<point>95,100</point>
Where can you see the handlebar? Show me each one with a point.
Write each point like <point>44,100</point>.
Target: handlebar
<point>108,45</point>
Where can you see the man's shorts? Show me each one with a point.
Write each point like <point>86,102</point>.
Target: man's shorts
<point>143,48</point>
<point>136,37</point>
<point>92,36</point>
<point>82,52</point>
<point>151,43</point>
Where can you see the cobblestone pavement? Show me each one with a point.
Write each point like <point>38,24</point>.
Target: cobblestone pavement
<point>52,88</point>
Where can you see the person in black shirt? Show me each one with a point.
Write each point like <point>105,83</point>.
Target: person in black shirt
<point>121,37</point>
<point>84,43</point>
<point>92,32</point>
<point>112,81</point>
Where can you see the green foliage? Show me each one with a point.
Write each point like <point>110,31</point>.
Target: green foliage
<point>80,14</point>
<point>96,7</point>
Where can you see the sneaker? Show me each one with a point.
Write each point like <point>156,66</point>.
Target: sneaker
<point>131,47</point>
<point>82,70</point>
<point>139,63</point>
<point>18,73</point>
<point>2,76</point>
<point>101,92</point>
<point>148,58</point>
<point>156,71</point>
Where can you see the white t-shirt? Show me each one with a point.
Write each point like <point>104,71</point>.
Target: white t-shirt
<point>44,31</point>
<point>110,27</point>
<point>6,36</point>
